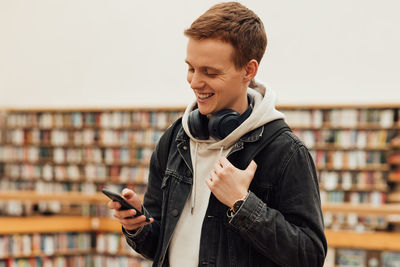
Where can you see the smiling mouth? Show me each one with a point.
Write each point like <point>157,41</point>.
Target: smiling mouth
<point>204,96</point>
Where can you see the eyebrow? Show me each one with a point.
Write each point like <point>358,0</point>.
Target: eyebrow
<point>205,67</point>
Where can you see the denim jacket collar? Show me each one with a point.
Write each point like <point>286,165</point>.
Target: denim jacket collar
<point>252,136</point>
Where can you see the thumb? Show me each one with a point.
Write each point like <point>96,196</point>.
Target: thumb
<point>252,167</point>
<point>127,193</point>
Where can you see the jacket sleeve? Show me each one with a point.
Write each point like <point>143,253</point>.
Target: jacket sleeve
<point>293,233</point>
<point>145,240</point>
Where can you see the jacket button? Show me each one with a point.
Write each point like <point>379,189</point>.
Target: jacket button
<point>184,147</point>
<point>174,212</point>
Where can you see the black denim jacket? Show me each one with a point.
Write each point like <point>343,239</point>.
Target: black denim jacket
<point>279,224</point>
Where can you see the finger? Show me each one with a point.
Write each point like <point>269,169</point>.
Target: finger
<point>114,205</point>
<point>213,176</point>
<point>224,162</point>
<point>135,226</point>
<point>252,167</point>
<point>134,221</point>
<point>123,214</point>
<point>209,182</point>
<point>218,168</point>
<point>131,225</point>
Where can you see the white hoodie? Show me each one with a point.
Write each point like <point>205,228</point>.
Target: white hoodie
<point>185,244</point>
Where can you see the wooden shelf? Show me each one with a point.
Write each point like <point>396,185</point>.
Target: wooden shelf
<point>345,239</point>
<point>371,241</point>
<point>366,188</point>
<point>70,197</point>
<point>92,145</point>
<point>57,224</point>
<point>369,126</point>
<point>365,209</point>
<point>109,225</point>
<point>35,254</point>
<point>394,197</point>
<point>370,167</point>
<point>138,180</point>
<point>92,109</point>
<point>297,106</point>
<point>394,177</point>
<point>81,163</point>
<point>350,148</point>
<point>89,127</point>
<point>339,106</point>
<point>40,224</point>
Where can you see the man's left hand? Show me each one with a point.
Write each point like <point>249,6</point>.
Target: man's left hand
<point>229,183</point>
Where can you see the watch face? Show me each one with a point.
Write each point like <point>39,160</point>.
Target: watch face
<point>237,205</point>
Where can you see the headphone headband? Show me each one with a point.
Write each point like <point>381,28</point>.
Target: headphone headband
<point>220,125</point>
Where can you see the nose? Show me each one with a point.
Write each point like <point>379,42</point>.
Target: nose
<point>195,80</point>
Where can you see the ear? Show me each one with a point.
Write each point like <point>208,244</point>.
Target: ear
<point>251,70</point>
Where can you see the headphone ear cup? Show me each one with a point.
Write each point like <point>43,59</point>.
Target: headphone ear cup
<point>198,125</point>
<point>223,123</point>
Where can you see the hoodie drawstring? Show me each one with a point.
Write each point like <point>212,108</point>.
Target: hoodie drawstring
<point>193,195</point>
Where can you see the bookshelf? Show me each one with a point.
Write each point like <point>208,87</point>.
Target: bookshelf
<point>351,148</point>
<point>394,176</point>
<point>54,162</point>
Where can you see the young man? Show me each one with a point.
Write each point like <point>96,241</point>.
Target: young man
<point>213,204</point>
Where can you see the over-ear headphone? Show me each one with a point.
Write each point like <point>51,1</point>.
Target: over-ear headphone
<point>220,125</point>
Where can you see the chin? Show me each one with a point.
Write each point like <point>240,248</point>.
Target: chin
<point>204,111</point>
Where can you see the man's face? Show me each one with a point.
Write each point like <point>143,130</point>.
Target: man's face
<point>213,77</point>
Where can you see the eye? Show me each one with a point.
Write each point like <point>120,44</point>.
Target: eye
<point>210,73</point>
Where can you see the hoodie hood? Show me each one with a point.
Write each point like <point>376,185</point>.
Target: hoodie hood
<point>263,112</point>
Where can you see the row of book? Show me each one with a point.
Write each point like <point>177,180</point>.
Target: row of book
<point>13,208</point>
<point>348,159</point>
<point>75,155</point>
<point>92,260</point>
<point>346,117</point>
<point>354,222</point>
<point>25,245</point>
<point>353,197</point>
<point>346,257</point>
<point>43,187</point>
<point>27,207</point>
<point>344,139</point>
<point>81,137</point>
<point>48,187</point>
<point>362,180</point>
<point>106,119</point>
<point>84,173</point>
<point>47,244</point>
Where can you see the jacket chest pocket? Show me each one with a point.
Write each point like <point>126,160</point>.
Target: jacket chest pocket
<point>172,178</point>
<point>175,188</point>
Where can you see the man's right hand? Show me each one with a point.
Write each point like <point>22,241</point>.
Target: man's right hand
<point>125,217</point>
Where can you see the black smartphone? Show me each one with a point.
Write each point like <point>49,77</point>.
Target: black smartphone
<point>125,205</point>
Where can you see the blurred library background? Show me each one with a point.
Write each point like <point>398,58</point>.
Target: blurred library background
<point>86,91</point>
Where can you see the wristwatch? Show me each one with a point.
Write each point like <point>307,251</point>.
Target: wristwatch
<point>236,206</point>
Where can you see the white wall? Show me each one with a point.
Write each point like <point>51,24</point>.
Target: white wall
<point>97,53</point>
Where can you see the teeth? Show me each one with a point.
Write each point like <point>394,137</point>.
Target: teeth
<point>204,96</point>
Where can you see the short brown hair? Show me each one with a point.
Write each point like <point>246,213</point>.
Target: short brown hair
<point>233,23</point>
